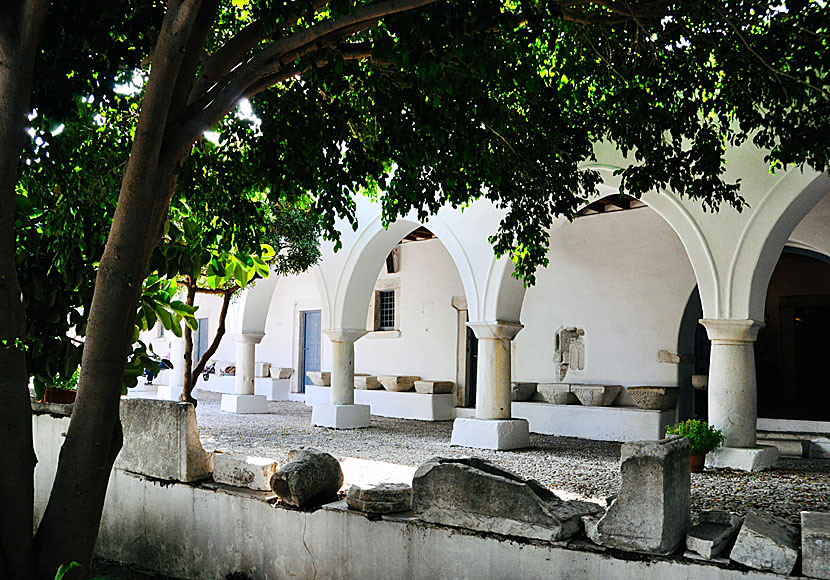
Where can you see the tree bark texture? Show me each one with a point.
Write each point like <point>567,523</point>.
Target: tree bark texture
<point>21,24</point>
<point>70,525</point>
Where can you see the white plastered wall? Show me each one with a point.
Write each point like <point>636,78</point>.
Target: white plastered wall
<point>625,279</point>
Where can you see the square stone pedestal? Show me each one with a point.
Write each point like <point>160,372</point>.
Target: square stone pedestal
<point>168,392</point>
<point>743,459</point>
<point>273,389</point>
<point>244,404</point>
<point>341,416</point>
<point>499,434</point>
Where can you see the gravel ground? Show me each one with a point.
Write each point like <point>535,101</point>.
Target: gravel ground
<point>391,449</point>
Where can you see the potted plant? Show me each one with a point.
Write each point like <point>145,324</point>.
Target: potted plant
<point>703,437</point>
<point>62,390</point>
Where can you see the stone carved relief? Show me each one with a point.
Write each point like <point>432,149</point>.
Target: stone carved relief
<point>570,350</point>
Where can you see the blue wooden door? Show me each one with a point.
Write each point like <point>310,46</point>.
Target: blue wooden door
<point>311,345</point>
<point>202,339</point>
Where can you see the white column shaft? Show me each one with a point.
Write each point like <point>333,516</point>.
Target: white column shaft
<point>177,358</point>
<point>733,393</point>
<point>342,372</point>
<point>493,379</point>
<point>245,368</point>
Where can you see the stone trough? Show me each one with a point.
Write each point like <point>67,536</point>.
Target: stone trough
<point>398,383</point>
<point>596,395</point>
<point>654,398</point>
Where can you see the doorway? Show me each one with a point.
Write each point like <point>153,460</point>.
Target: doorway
<point>310,352</point>
<point>472,369</point>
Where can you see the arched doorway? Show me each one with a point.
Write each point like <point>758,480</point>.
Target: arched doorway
<point>792,349</point>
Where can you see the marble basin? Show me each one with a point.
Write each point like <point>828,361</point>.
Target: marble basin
<point>555,393</point>
<point>596,395</point>
<point>398,383</point>
<point>366,382</point>
<point>654,398</point>
<point>522,391</point>
<point>320,378</point>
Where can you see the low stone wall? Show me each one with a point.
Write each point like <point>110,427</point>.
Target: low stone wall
<point>206,530</point>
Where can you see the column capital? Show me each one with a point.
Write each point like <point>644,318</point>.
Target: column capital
<point>345,334</point>
<point>249,337</point>
<point>729,331</point>
<point>497,329</point>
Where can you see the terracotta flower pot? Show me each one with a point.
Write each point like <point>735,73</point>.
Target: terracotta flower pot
<point>63,396</point>
<point>696,462</point>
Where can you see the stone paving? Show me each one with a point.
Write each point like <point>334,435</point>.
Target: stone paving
<point>391,450</point>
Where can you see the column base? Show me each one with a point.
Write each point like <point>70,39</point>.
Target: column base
<point>341,416</point>
<point>244,404</point>
<point>168,392</point>
<point>756,458</point>
<point>498,434</point>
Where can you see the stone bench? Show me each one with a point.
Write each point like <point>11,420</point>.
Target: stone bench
<point>598,423</point>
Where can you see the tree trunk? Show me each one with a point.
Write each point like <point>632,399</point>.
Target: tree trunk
<point>188,349</point>
<point>190,380</point>
<point>21,24</point>
<point>70,525</point>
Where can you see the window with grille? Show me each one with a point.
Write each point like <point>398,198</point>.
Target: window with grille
<point>386,310</point>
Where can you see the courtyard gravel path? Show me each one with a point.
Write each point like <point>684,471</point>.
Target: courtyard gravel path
<point>391,449</point>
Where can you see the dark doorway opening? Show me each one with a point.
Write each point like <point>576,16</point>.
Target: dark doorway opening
<point>472,369</point>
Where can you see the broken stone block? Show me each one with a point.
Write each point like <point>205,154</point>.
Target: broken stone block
<point>281,372</point>
<point>381,498</point>
<point>365,382</point>
<point>475,494</point>
<point>397,383</point>
<point>816,448</point>
<point>310,477</point>
<point>713,533</point>
<point>522,391</point>
<point>651,511</point>
<point>161,439</point>
<point>555,393</point>
<point>815,544</point>
<point>243,471</point>
<point>434,387</point>
<point>766,542</point>
<point>596,395</point>
<point>320,378</point>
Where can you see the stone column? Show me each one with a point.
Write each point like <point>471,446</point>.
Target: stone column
<point>493,426</point>
<point>244,399</point>
<point>175,376</point>
<point>733,396</point>
<point>341,412</point>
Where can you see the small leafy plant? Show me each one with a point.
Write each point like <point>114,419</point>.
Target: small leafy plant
<point>68,384</point>
<point>703,436</point>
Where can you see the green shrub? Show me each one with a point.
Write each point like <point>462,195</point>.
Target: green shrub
<point>703,437</point>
